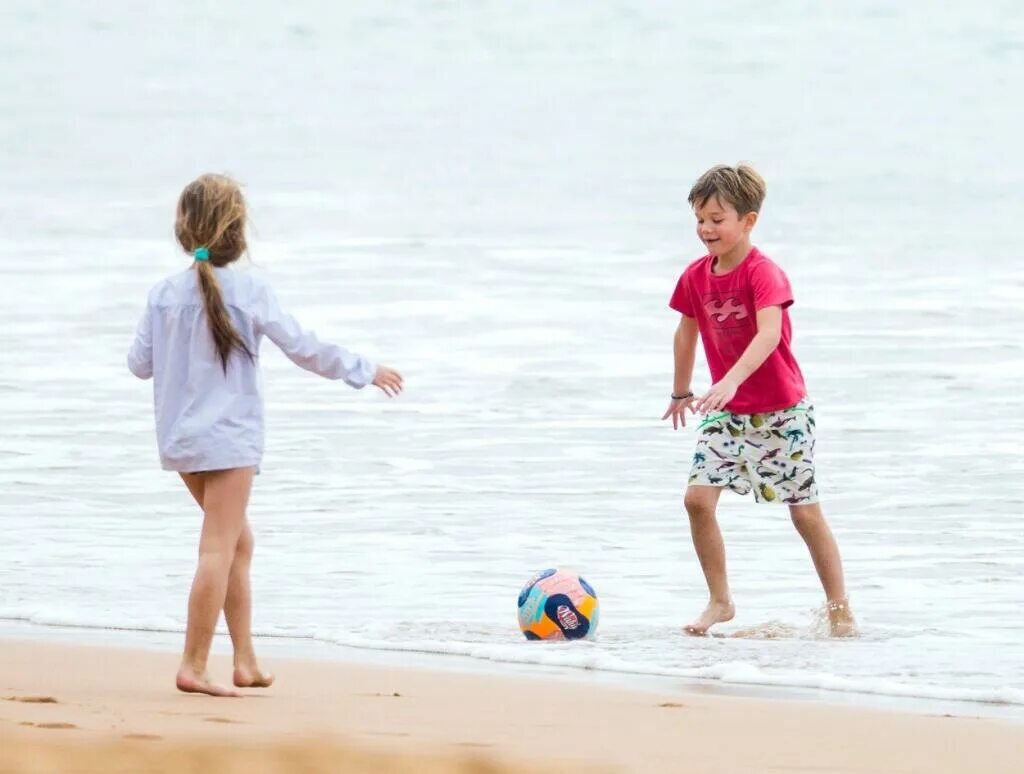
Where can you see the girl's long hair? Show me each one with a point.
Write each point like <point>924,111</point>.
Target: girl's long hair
<point>211,214</point>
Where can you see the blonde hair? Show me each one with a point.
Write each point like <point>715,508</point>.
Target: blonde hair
<point>741,186</point>
<point>211,214</point>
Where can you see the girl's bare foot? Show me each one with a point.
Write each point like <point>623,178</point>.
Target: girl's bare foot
<point>715,612</point>
<point>840,619</point>
<point>190,681</point>
<point>252,677</point>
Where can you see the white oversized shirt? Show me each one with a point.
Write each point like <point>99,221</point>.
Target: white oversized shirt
<point>206,419</point>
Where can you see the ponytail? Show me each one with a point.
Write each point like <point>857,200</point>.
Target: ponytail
<point>210,225</point>
<point>225,337</point>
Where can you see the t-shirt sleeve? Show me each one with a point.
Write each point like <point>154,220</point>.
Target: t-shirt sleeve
<point>680,300</point>
<point>771,286</point>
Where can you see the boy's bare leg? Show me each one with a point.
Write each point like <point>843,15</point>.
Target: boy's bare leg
<point>701,503</point>
<point>225,495</point>
<point>810,523</point>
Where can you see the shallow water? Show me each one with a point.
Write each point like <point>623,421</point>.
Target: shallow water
<point>493,200</point>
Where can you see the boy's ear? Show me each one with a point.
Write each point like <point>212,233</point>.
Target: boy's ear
<point>749,220</point>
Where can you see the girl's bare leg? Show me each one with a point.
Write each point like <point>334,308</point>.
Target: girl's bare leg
<point>238,602</point>
<point>238,612</point>
<point>225,496</point>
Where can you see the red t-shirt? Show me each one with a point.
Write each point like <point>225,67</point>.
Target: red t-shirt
<point>725,307</point>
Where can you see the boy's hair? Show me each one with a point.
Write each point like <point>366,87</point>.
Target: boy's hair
<point>211,214</point>
<point>739,186</point>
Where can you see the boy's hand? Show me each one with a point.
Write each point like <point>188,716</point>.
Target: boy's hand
<point>716,398</point>
<point>677,410</point>
<point>388,380</point>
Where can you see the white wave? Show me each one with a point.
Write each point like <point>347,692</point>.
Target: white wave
<point>586,655</point>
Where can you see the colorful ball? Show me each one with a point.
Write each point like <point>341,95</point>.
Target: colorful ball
<point>557,605</point>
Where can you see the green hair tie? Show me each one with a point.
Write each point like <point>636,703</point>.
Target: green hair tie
<point>201,254</point>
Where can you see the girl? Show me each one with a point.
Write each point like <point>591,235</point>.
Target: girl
<point>199,339</point>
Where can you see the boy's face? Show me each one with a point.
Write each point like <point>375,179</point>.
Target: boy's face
<point>720,227</point>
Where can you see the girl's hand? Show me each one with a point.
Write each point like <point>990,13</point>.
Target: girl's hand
<point>388,380</point>
<point>677,410</point>
<point>716,398</point>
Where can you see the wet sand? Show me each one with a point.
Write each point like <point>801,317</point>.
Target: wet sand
<point>84,708</point>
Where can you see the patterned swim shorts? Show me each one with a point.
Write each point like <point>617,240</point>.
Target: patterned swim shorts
<point>771,454</point>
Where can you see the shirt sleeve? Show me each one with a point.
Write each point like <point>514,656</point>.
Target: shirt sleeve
<point>771,286</point>
<point>304,348</point>
<point>140,355</point>
<point>680,300</point>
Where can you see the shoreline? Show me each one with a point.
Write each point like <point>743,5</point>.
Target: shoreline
<point>56,694</point>
<point>272,648</point>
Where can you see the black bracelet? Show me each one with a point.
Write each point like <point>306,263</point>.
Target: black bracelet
<point>682,397</point>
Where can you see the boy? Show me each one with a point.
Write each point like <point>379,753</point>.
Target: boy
<point>758,431</point>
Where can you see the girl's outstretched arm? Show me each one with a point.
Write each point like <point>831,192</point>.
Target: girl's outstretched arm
<point>304,348</point>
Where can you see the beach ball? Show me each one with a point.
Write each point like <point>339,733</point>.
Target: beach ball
<point>557,605</point>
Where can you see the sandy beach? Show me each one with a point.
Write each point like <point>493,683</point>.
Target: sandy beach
<point>493,199</point>
<point>81,708</point>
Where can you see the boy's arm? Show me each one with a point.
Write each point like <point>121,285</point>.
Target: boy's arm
<point>684,350</point>
<point>769,331</point>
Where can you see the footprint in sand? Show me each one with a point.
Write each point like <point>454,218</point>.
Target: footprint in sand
<point>145,737</point>
<point>32,699</point>
<point>472,744</point>
<point>671,704</point>
<point>48,725</point>
<point>221,720</point>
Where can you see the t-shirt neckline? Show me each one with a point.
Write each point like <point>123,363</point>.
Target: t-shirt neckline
<point>734,269</point>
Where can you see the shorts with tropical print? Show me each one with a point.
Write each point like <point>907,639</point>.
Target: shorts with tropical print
<point>770,454</point>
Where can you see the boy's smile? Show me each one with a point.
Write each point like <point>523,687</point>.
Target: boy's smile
<point>722,230</point>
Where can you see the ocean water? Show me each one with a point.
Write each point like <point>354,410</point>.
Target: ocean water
<point>491,197</point>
